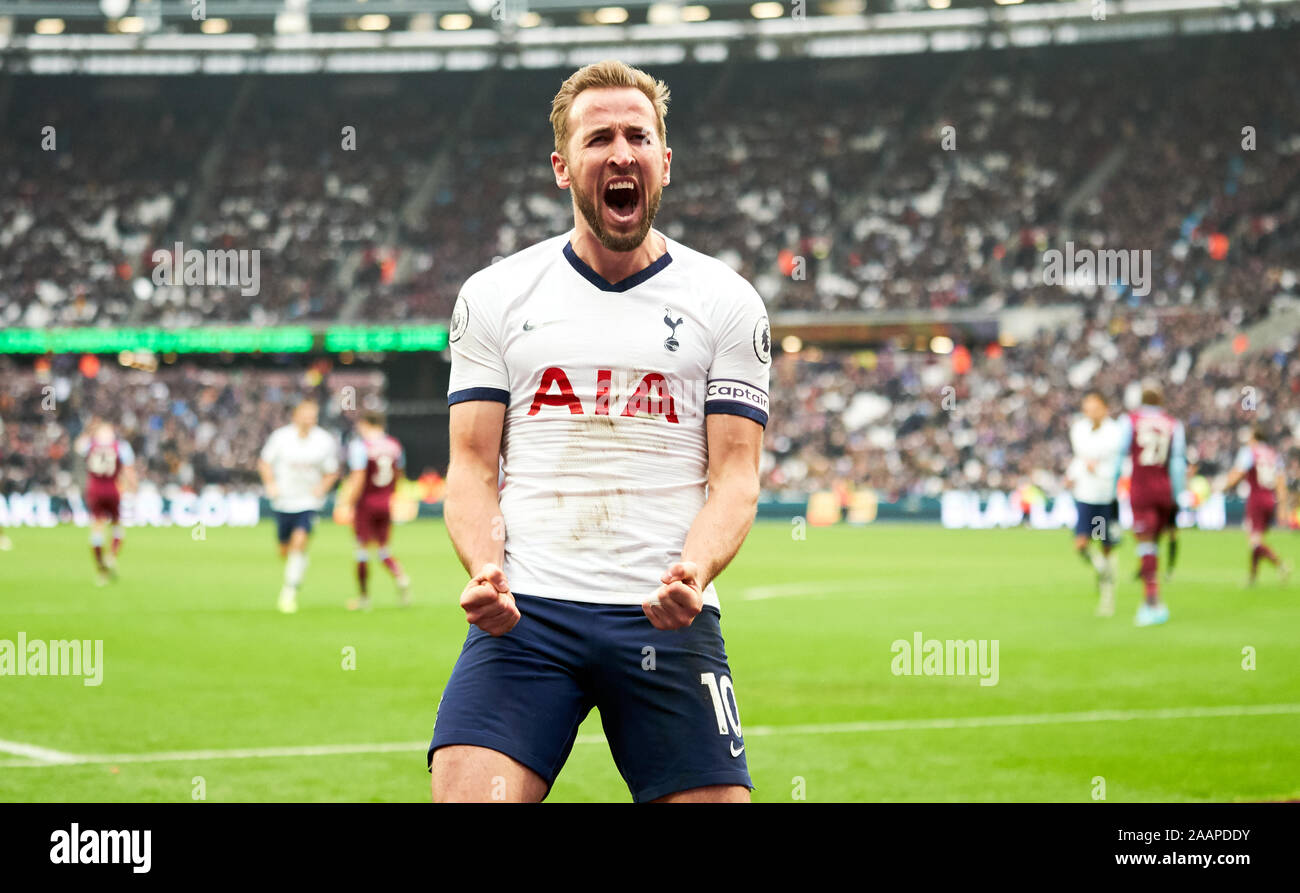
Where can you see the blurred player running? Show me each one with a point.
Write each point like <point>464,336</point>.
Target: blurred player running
<point>108,461</point>
<point>1094,440</point>
<point>1157,444</point>
<point>617,374</point>
<point>299,465</point>
<point>374,458</point>
<point>1262,468</point>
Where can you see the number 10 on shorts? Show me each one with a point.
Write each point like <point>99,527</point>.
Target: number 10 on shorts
<point>724,703</point>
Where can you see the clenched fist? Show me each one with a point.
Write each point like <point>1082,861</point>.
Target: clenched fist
<point>488,603</point>
<point>679,600</point>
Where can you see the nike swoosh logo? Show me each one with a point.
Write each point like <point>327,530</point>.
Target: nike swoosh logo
<point>529,325</point>
<point>734,752</point>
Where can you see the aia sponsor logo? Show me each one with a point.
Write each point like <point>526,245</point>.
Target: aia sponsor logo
<point>653,395</point>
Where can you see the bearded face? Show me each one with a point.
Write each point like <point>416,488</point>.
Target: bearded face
<point>615,165</point>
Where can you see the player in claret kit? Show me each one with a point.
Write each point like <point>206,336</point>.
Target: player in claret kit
<point>1262,469</point>
<point>109,462</point>
<point>1157,444</point>
<point>616,374</point>
<point>374,459</point>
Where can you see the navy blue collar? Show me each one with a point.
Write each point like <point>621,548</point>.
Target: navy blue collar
<point>623,284</point>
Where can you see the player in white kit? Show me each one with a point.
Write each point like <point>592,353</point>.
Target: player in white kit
<point>1094,439</point>
<point>299,466</point>
<point>616,373</point>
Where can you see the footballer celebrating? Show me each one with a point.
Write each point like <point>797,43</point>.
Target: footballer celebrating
<point>1094,440</point>
<point>1262,469</point>
<point>1158,445</point>
<point>620,380</point>
<point>299,466</point>
<point>374,459</point>
<point>108,461</point>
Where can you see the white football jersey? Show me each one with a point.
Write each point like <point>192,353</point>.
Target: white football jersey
<point>606,387</point>
<point>1100,445</point>
<point>299,465</point>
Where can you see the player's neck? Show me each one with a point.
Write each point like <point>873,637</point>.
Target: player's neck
<point>302,432</point>
<point>615,266</point>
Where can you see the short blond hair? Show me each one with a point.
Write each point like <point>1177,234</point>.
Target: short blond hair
<point>597,75</point>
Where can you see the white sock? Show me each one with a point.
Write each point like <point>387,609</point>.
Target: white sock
<point>294,569</point>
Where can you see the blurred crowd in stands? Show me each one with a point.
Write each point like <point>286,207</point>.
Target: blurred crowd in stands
<point>866,184</point>
<point>908,422</point>
<point>190,425</point>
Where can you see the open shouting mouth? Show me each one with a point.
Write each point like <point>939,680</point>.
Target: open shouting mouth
<point>621,197</point>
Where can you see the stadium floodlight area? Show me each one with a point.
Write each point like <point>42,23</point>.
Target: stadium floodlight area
<point>325,44</point>
<point>225,339</point>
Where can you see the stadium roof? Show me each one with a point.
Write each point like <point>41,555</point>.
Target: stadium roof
<point>305,36</point>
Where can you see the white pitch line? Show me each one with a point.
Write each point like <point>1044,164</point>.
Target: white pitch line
<point>42,757</point>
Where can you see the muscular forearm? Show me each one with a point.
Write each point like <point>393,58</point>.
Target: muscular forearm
<point>472,513</point>
<point>720,527</point>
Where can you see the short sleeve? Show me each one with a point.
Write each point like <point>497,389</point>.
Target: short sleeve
<point>269,450</point>
<point>1075,446</point>
<point>478,367</point>
<point>125,454</point>
<point>1245,460</point>
<point>357,458</point>
<point>742,360</point>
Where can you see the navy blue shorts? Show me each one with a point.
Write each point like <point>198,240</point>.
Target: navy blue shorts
<point>287,522</point>
<point>1098,521</point>
<point>666,699</point>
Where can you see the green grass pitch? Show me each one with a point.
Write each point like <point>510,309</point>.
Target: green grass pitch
<point>197,660</point>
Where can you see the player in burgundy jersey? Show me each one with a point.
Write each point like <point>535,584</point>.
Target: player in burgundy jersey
<point>1157,444</point>
<point>374,459</point>
<point>1261,467</point>
<point>109,461</point>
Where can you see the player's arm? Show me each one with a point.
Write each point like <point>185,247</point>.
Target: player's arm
<point>1244,462</point>
<point>330,471</point>
<point>265,470</point>
<point>130,481</point>
<point>355,483</point>
<point>327,483</point>
<point>472,512</point>
<point>126,456</point>
<point>734,444</point>
<point>1178,461</point>
<point>267,474</point>
<point>358,460</point>
<point>1122,446</point>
